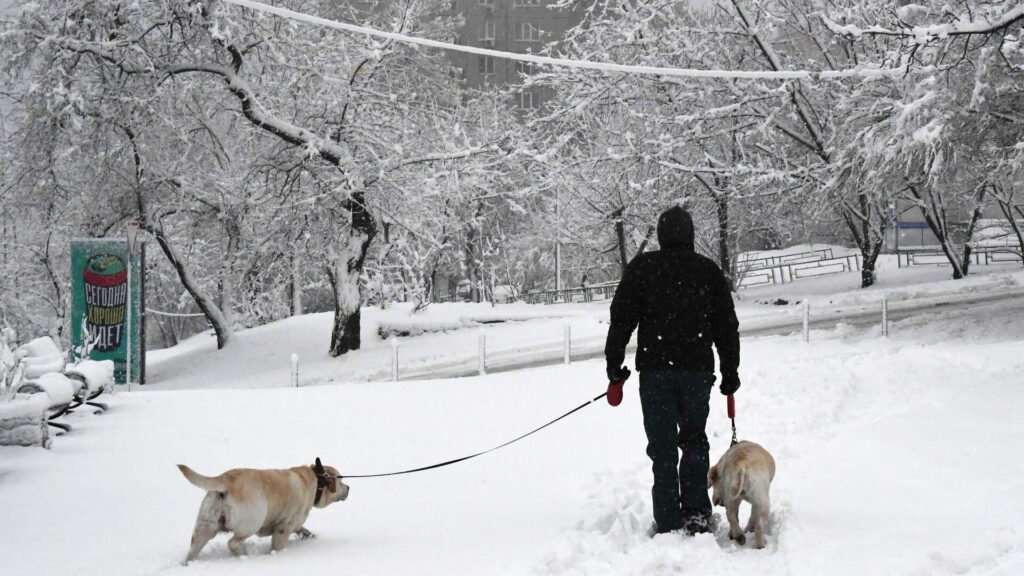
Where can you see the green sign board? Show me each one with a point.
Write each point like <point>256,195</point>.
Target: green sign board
<point>105,308</point>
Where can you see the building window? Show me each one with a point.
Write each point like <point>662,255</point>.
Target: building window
<point>527,32</point>
<point>485,33</point>
<point>524,3</point>
<point>485,65</point>
<point>488,3</point>
<point>526,68</point>
<point>528,100</point>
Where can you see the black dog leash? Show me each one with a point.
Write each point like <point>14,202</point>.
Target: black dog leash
<point>464,458</point>
<point>731,407</point>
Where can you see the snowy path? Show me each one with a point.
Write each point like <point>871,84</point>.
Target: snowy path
<point>891,461</point>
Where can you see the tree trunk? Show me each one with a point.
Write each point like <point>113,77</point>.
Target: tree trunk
<point>58,301</point>
<point>869,256</point>
<point>1005,207</point>
<point>620,238</point>
<point>226,285</point>
<point>345,333</point>
<point>936,220</point>
<point>473,265</point>
<point>978,208</point>
<point>295,286</point>
<point>724,259</point>
<point>868,241</point>
<point>206,304</point>
<point>967,259</point>
<point>347,266</point>
<point>720,198</point>
<point>427,296</point>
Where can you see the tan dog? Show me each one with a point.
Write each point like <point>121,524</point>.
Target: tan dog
<point>745,472</point>
<point>261,502</point>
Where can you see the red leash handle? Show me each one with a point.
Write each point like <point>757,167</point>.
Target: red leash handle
<point>614,393</point>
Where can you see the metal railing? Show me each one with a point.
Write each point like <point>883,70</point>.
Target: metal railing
<point>795,258</point>
<point>980,255</point>
<point>786,273</point>
<point>798,266</point>
<point>567,295</point>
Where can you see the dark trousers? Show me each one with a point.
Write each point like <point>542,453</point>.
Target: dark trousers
<point>675,405</point>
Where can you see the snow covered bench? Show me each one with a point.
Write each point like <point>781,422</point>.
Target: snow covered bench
<point>46,374</point>
<point>79,384</point>
<point>23,423</point>
<point>41,356</point>
<point>22,417</point>
<point>96,376</point>
<point>60,393</point>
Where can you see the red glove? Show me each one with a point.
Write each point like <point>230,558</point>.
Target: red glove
<point>615,392</point>
<point>616,378</point>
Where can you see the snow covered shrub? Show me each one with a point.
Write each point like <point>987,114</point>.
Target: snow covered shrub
<point>10,366</point>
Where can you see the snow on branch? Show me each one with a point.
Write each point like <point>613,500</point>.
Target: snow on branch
<point>258,115</point>
<point>962,27</point>
<point>445,156</point>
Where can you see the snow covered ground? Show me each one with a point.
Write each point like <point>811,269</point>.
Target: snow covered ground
<point>895,456</point>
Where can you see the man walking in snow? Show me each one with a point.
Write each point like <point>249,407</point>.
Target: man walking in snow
<point>682,304</point>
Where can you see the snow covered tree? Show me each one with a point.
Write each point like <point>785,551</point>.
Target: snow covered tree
<point>175,79</point>
<point>734,150</point>
<point>943,114</point>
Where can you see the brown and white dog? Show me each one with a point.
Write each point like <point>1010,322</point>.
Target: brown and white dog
<point>271,503</point>
<point>745,472</point>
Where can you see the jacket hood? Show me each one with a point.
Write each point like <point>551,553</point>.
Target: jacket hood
<point>675,228</point>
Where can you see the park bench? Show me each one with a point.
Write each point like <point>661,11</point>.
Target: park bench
<point>66,386</point>
<point>23,422</point>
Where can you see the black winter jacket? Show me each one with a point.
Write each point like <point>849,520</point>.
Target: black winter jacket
<point>682,304</point>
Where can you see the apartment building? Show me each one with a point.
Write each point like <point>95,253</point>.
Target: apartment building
<point>521,26</point>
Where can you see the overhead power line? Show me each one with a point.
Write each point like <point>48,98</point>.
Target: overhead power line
<point>563,62</point>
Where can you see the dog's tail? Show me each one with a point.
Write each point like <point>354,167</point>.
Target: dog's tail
<point>737,482</point>
<point>204,482</point>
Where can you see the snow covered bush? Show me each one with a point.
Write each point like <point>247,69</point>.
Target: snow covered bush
<point>11,370</point>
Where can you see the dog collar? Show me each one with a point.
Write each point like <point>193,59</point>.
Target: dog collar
<point>321,481</point>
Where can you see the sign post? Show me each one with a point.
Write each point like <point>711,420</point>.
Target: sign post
<point>107,299</point>
<point>132,233</point>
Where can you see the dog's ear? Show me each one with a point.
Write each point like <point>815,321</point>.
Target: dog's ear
<point>318,467</point>
<point>712,476</point>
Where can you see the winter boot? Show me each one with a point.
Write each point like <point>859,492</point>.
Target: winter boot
<point>654,530</point>
<point>699,522</point>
